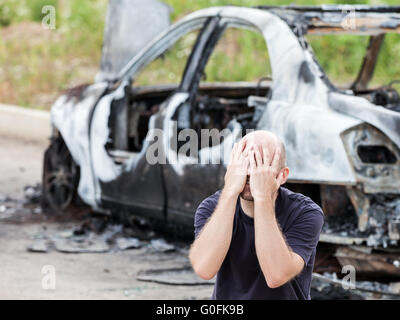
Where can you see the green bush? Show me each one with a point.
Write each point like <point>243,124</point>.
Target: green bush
<point>7,12</point>
<point>36,6</point>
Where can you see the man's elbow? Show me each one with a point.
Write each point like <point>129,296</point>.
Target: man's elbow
<point>281,276</point>
<point>275,281</point>
<point>200,268</point>
<point>202,272</point>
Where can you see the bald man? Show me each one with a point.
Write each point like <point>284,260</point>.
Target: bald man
<point>258,238</point>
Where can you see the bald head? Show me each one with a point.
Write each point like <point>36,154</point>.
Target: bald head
<point>262,138</point>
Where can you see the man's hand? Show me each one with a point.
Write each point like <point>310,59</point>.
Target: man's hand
<point>278,262</point>
<point>212,244</point>
<point>264,177</point>
<point>236,173</point>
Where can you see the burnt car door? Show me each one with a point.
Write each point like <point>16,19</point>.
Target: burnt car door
<point>205,126</point>
<point>124,124</point>
<point>187,178</point>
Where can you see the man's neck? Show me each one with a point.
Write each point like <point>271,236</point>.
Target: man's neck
<point>248,206</point>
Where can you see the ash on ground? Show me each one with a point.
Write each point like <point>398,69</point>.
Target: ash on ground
<point>91,232</point>
<point>329,287</point>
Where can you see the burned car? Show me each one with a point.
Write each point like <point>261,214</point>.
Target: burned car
<point>342,144</point>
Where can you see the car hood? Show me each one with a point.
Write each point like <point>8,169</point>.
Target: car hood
<point>127,30</point>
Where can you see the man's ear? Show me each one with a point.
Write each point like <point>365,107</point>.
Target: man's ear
<point>285,175</point>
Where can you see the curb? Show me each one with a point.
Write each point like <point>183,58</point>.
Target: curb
<point>27,124</point>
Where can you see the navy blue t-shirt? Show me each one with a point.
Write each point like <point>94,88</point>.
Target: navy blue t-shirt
<point>240,275</point>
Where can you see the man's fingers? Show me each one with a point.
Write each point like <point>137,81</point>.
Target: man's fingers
<point>244,154</point>
<point>258,158</point>
<point>276,160</point>
<point>265,156</point>
<point>246,164</point>
<point>279,179</point>
<point>252,161</point>
<point>233,152</point>
<point>239,149</point>
<point>243,161</point>
<point>242,145</point>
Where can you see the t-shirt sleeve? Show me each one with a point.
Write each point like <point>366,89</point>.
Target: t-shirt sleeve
<point>303,235</point>
<point>204,212</point>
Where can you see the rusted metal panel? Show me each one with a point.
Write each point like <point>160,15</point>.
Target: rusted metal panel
<point>334,201</point>
<point>370,59</point>
<point>362,289</point>
<point>340,19</point>
<point>361,205</point>
<point>394,229</point>
<point>377,175</point>
<point>344,240</point>
<point>380,264</point>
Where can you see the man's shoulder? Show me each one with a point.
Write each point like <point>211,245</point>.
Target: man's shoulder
<point>216,195</point>
<point>299,202</point>
<point>211,201</point>
<point>204,211</point>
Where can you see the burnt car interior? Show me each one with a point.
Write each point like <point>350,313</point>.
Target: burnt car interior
<point>211,106</point>
<point>371,22</point>
<point>385,95</point>
<point>215,105</point>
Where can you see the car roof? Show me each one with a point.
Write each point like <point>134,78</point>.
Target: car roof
<point>340,19</point>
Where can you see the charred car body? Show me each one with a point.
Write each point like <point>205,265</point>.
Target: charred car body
<point>343,144</point>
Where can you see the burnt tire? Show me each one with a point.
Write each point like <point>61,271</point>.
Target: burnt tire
<point>60,178</point>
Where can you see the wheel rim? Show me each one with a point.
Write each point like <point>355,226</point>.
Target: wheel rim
<point>60,176</point>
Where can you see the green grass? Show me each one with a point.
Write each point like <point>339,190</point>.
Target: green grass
<point>36,64</point>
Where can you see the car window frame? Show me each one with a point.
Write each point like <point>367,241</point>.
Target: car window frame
<point>191,82</point>
<point>160,45</point>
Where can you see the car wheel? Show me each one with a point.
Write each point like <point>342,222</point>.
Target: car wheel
<point>60,177</point>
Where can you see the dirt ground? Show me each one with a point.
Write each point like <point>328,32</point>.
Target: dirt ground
<point>20,164</point>
<point>107,275</point>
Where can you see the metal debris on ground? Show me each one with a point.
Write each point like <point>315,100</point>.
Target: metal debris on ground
<point>12,211</point>
<point>173,276</point>
<point>39,245</point>
<point>128,243</point>
<point>96,235</point>
<point>78,244</point>
<point>395,287</point>
<point>21,210</point>
<point>328,285</point>
<point>33,194</point>
<point>160,245</point>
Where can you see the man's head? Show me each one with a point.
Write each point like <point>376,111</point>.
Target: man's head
<point>257,140</point>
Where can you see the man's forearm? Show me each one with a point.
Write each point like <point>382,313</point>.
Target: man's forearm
<point>209,249</point>
<point>274,256</point>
